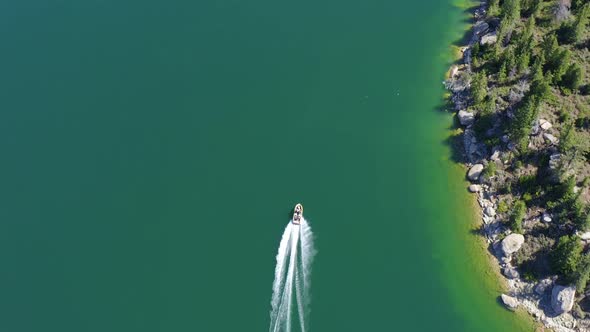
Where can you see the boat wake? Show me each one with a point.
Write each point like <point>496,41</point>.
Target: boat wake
<point>290,290</point>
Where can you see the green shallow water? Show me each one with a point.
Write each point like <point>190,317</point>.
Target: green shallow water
<point>151,153</point>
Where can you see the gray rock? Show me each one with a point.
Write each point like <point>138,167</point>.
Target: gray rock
<point>480,27</point>
<point>546,217</point>
<point>475,172</point>
<point>585,236</point>
<point>489,38</point>
<point>474,188</point>
<point>512,243</point>
<point>495,156</point>
<point>544,124</point>
<point>515,96</point>
<point>475,151</point>
<point>509,301</point>
<point>543,286</point>
<point>511,146</point>
<point>550,138</point>
<point>562,298</point>
<point>510,273</point>
<point>489,211</point>
<point>554,160</point>
<point>454,71</point>
<point>536,130</point>
<point>466,118</point>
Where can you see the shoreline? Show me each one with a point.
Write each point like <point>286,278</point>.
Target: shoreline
<point>532,299</point>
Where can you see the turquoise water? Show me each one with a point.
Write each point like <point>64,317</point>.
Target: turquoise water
<point>151,153</point>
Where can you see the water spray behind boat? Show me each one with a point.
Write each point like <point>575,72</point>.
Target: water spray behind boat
<point>291,287</point>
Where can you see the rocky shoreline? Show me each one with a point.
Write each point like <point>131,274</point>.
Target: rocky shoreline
<point>548,302</point>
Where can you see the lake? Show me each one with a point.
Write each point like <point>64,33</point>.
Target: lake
<point>152,152</point>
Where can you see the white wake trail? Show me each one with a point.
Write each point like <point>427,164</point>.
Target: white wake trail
<point>292,278</point>
<point>307,254</point>
<point>278,284</point>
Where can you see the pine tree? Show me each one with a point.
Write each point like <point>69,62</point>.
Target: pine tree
<point>522,62</point>
<point>503,73</point>
<point>536,8</point>
<point>475,58</point>
<point>529,28</point>
<point>573,32</point>
<point>517,216</point>
<point>540,87</point>
<point>567,139</point>
<point>557,58</point>
<point>510,61</point>
<point>577,4</point>
<point>549,46</point>
<point>580,23</point>
<point>526,5</point>
<point>567,255</point>
<point>500,35</point>
<point>520,127</point>
<point>524,46</point>
<point>489,106</point>
<point>493,8</point>
<point>572,79</point>
<point>559,64</point>
<point>479,87</point>
<point>537,69</point>
<point>511,11</point>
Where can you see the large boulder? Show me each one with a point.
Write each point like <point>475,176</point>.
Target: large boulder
<point>562,298</point>
<point>475,172</point>
<point>474,188</point>
<point>509,301</point>
<point>489,38</point>
<point>544,124</point>
<point>480,27</point>
<point>512,243</point>
<point>466,118</point>
<point>550,138</point>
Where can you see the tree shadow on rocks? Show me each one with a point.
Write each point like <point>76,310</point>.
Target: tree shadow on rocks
<point>455,143</point>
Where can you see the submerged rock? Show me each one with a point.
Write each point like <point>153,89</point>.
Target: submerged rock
<point>512,243</point>
<point>509,301</point>
<point>475,172</point>
<point>562,298</point>
<point>466,118</point>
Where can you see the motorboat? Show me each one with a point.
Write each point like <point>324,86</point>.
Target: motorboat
<point>297,214</point>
